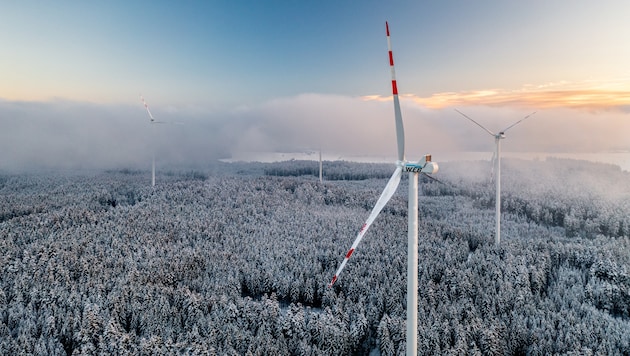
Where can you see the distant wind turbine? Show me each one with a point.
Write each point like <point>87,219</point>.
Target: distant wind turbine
<point>497,156</point>
<point>152,121</point>
<point>423,166</point>
<point>321,179</point>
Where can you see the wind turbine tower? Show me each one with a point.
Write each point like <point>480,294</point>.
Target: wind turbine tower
<point>424,166</point>
<point>152,122</point>
<point>497,140</point>
<point>321,178</point>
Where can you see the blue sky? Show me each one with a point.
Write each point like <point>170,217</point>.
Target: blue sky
<point>209,61</point>
<point>214,52</point>
<point>201,52</point>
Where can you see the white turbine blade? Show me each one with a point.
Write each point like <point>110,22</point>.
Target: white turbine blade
<point>400,130</point>
<point>168,122</point>
<point>478,124</point>
<point>387,193</point>
<point>518,122</point>
<point>148,111</point>
<point>153,121</point>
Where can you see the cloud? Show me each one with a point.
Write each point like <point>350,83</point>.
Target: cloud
<point>347,125</point>
<point>549,130</point>
<point>66,135</point>
<point>590,96</point>
<point>71,135</point>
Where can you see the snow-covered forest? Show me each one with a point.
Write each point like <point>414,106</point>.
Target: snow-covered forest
<point>235,260</point>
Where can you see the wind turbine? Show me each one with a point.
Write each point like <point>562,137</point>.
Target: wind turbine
<point>497,156</point>
<point>424,166</point>
<point>321,178</point>
<point>152,122</point>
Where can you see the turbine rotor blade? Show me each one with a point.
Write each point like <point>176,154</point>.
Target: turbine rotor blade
<point>167,122</point>
<point>386,195</point>
<point>153,121</point>
<point>147,107</point>
<point>518,122</point>
<point>400,130</point>
<point>433,178</point>
<point>478,124</point>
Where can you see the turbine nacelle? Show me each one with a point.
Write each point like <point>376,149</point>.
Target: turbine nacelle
<point>430,168</point>
<point>424,165</point>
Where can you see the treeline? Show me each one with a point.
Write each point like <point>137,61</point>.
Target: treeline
<point>331,170</point>
<point>585,198</point>
<point>238,264</point>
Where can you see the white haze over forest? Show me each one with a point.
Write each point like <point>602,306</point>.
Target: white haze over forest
<point>76,135</point>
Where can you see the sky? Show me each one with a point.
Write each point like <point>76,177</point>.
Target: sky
<point>243,76</point>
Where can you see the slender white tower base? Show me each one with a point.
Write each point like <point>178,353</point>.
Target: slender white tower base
<point>497,232</point>
<point>153,170</point>
<point>412,267</point>
<point>320,166</point>
<point>153,131</point>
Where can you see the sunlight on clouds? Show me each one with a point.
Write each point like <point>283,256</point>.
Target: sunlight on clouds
<point>588,95</point>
